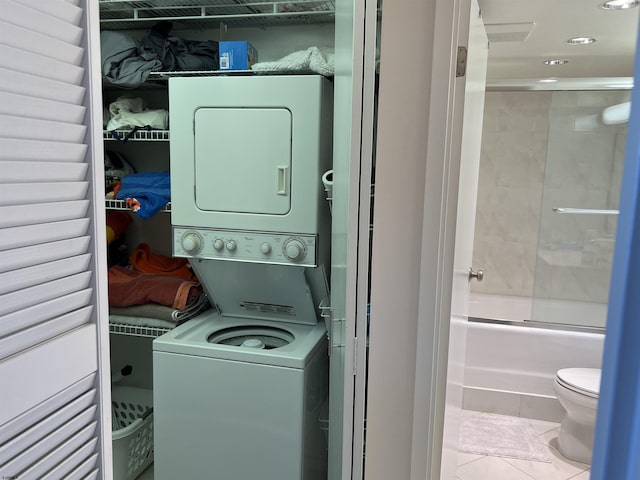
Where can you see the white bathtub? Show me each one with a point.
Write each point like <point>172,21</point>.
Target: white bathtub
<point>510,369</point>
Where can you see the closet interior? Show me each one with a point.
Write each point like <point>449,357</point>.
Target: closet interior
<point>258,265</point>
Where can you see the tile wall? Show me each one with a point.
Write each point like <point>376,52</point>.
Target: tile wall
<point>584,162</point>
<point>541,150</point>
<point>510,185</point>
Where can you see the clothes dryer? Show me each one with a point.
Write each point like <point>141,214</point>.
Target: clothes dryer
<point>247,158</point>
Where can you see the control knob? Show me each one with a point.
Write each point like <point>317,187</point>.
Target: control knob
<point>294,250</point>
<point>231,245</point>
<point>192,243</point>
<point>265,248</point>
<point>218,244</point>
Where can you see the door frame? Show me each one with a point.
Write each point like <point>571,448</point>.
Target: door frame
<point>414,233</point>
<point>352,149</point>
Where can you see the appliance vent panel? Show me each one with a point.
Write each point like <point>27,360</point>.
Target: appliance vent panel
<point>268,308</point>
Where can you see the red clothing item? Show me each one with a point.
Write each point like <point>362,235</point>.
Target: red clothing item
<point>128,287</point>
<point>144,260</point>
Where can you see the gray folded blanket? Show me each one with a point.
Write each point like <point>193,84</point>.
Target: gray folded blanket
<point>160,312</point>
<point>128,63</point>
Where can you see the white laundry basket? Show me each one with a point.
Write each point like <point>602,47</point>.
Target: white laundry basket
<point>132,435</point>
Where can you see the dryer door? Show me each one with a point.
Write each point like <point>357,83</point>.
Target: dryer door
<point>243,160</point>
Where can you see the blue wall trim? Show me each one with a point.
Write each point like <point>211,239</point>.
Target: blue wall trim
<point>616,451</point>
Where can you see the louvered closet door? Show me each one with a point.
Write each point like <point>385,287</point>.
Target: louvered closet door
<point>53,334</point>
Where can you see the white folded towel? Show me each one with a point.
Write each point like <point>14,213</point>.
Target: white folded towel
<point>132,112</point>
<point>315,59</point>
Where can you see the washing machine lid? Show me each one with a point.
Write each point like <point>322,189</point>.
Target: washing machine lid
<point>581,380</point>
<point>255,290</point>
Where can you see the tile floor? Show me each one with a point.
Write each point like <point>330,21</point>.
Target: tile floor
<point>484,467</point>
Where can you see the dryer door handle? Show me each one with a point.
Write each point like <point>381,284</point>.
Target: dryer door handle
<point>283,180</point>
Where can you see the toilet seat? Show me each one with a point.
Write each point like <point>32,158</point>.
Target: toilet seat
<point>585,381</point>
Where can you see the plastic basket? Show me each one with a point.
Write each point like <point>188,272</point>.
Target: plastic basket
<point>132,435</point>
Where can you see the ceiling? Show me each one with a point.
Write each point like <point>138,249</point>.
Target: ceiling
<point>524,33</point>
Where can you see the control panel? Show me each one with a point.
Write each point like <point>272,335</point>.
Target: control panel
<point>242,246</point>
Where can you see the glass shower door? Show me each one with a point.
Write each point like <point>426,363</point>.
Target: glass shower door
<point>579,202</point>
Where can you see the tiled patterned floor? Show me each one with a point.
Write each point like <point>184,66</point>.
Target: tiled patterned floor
<point>483,467</point>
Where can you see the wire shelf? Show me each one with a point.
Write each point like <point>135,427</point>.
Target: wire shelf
<point>164,76</point>
<point>199,73</point>
<point>132,14</point>
<point>139,136</point>
<point>137,331</point>
<point>113,204</point>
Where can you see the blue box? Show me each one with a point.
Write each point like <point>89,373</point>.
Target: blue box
<point>239,55</point>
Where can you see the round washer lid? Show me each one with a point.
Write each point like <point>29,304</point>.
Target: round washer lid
<point>585,380</point>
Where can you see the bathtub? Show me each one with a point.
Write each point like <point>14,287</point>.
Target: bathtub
<point>509,369</point>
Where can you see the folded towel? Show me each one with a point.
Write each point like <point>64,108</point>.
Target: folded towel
<point>314,59</point>
<point>144,260</point>
<point>128,287</point>
<point>128,111</point>
<point>160,312</point>
<point>145,193</point>
<point>157,118</point>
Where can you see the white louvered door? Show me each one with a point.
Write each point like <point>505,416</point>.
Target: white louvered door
<point>54,382</point>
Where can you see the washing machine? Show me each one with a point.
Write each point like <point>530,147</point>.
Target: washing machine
<point>238,392</point>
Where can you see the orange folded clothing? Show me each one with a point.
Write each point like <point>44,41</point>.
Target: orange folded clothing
<point>128,287</point>
<point>144,260</point>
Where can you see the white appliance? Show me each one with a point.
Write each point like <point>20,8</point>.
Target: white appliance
<point>247,158</point>
<point>239,397</point>
<point>238,393</point>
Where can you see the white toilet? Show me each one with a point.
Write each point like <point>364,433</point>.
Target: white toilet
<point>577,390</point>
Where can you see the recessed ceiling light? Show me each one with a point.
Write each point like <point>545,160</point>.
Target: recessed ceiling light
<point>548,80</point>
<point>580,40</point>
<point>555,61</point>
<point>619,4</point>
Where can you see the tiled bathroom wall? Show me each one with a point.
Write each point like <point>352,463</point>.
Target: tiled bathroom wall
<point>542,150</point>
<point>514,141</point>
<point>584,159</point>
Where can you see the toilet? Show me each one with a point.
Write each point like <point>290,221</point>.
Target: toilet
<point>577,390</point>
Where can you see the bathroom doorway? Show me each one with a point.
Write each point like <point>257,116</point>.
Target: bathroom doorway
<point>545,225</point>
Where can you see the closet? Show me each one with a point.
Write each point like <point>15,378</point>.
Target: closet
<point>275,29</point>
<point>56,336</point>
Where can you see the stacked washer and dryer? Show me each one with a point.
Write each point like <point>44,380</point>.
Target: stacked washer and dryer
<point>238,390</point>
